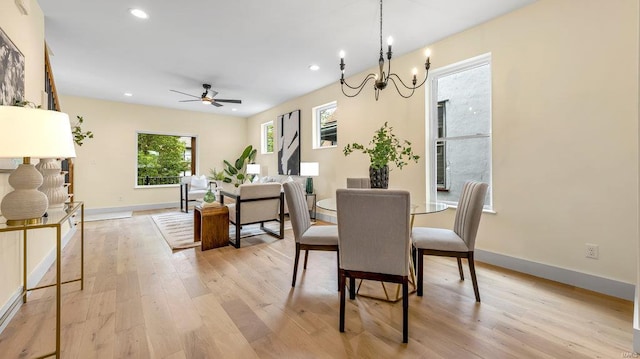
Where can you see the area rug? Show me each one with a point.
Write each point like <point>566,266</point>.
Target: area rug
<point>177,230</point>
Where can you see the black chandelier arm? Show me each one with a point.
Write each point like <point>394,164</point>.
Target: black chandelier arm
<point>369,77</point>
<point>398,89</point>
<point>359,88</point>
<point>410,87</point>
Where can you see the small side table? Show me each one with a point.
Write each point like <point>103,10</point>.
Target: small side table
<point>312,210</point>
<point>211,226</point>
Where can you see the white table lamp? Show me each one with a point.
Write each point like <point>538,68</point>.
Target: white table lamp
<point>27,133</point>
<point>309,169</point>
<point>253,169</point>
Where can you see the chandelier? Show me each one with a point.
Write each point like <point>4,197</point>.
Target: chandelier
<point>382,78</point>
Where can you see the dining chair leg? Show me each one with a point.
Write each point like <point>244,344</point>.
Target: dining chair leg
<point>341,280</point>
<point>472,269</point>
<point>306,256</point>
<point>352,288</point>
<point>295,265</point>
<point>405,311</point>
<point>414,254</point>
<point>420,264</point>
<point>338,271</point>
<point>459,268</point>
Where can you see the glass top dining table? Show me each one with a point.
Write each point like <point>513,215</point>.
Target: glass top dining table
<point>416,208</point>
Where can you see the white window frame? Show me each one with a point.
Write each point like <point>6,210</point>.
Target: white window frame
<point>431,110</point>
<point>316,124</point>
<point>263,137</point>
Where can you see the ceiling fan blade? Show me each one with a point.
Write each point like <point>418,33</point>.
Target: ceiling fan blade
<point>216,104</point>
<point>229,101</point>
<point>213,93</point>
<point>188,100</point>
<point>185,93</point>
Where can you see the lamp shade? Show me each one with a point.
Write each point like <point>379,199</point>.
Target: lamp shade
<point>26,133</point>
<point>29,132</point>
<point>310,169</point>
<point>253,169</point>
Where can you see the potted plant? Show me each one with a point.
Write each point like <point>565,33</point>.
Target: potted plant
<point>384,148</point>
<point>236,173</point>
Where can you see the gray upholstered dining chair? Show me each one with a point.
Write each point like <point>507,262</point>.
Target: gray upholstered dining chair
<point>362,182</point>
<point>308,237</point>
<point>374,241</point>
<point>459,242</point>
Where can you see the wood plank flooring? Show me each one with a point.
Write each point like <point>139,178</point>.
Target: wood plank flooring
<point>141,300</point>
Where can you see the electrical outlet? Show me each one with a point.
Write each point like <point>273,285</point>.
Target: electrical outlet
<point>592,251</point>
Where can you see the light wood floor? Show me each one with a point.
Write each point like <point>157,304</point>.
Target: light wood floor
<point>143,301</point>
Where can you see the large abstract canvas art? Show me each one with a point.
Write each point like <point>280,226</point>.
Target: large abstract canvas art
<point>11,71</point>
<point>289,143</point>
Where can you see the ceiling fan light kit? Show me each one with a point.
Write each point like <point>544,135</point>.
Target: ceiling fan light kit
<point>381,79</point>
<point>205,99</point>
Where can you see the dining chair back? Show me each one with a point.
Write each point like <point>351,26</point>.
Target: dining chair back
<point>374,241</point>
<point>459,242</point>
<point>307,237</point>
<point>363,182</point>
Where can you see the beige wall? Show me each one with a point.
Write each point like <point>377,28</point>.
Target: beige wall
<point>27,33</point>
<point>105,166</point>
<point>565,133</point>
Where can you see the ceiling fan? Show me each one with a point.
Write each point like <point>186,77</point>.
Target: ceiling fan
<point>204,98</point>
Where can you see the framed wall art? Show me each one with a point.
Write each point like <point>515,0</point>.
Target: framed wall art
<point>289,143</point>
<point>11,71</point>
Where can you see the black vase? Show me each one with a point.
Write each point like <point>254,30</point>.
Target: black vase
<point>379,177</point>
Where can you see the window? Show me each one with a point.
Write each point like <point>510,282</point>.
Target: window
<point>163,159</point>
<point>266,137</point>
<point>460,141</point>
<point>325,125</point>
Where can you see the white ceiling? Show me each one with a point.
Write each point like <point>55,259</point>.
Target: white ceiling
<point>258,51</point>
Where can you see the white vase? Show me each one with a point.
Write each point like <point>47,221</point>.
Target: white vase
<point>53,182</point>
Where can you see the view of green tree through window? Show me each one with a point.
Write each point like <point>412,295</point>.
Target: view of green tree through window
<point>267,137</point>
<point>163,159</point>
<point>325,125</point>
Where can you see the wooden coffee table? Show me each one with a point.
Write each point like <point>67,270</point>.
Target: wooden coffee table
<point>211,226</point>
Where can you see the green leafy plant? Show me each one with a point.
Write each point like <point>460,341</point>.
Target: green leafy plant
<point>385,148</point>
<point>78,135</point>
<point>215,175</point>
<point>236,173</point>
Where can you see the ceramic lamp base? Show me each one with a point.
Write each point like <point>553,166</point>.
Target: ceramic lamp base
<point>309,187</point>
<point>25,203</point>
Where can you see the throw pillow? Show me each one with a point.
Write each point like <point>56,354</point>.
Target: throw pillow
<point>199,182</point>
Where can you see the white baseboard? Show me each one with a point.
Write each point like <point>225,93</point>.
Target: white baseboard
<point>587,281</point>
<point>141,207</point>
<point>636,322</point>
<point>578,279</point>
<point>10,308</point>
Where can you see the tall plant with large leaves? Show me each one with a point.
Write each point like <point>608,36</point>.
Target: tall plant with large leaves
<point>236,173</point>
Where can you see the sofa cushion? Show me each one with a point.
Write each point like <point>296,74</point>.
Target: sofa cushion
<point>199,182</point>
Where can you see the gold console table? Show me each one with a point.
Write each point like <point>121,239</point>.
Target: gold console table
<point>55,219</point>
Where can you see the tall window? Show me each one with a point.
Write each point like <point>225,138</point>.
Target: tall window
<point>460,109</point>
<point>325,125</point>
<point>163,159</point>
<point>266,137</point>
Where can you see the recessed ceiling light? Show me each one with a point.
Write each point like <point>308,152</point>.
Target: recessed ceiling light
<point>314,67</point>
<point>234,109</point>
<point>139,13</point>
<point>128,94</point>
